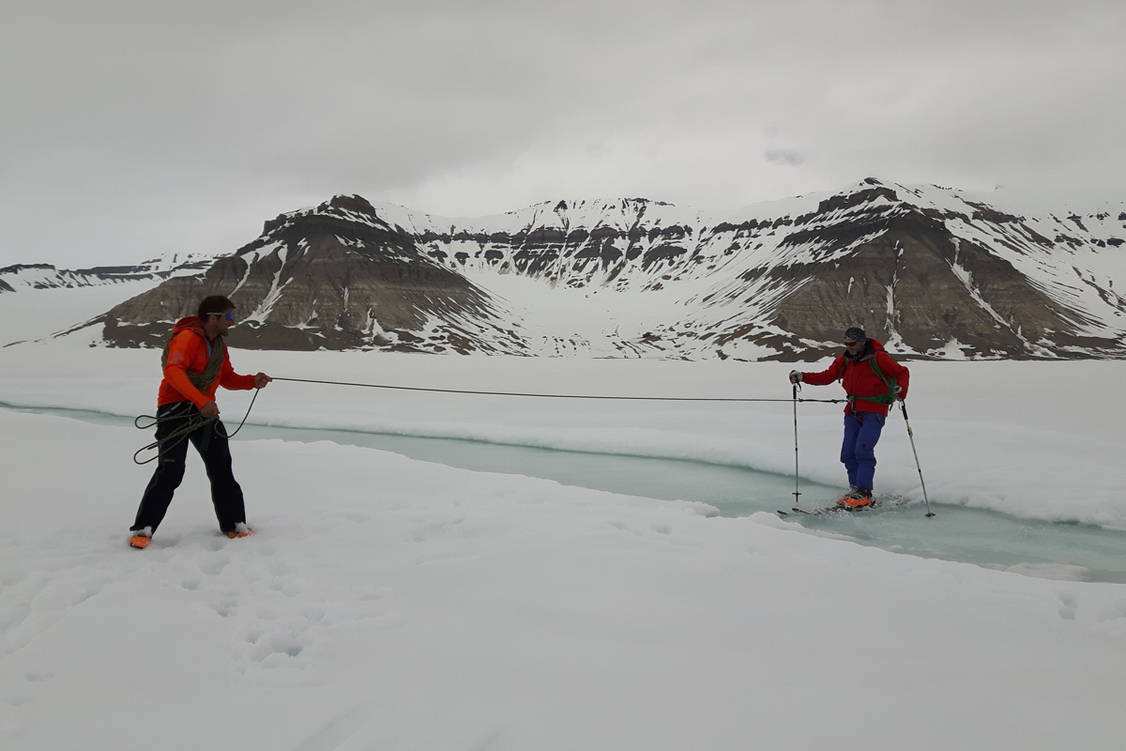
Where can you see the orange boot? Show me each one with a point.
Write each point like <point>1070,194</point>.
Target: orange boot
<point>141,538</point>
<point>856,498</point>
<point>240,530</point>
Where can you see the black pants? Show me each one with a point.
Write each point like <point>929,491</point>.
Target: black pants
<point>210,441</point>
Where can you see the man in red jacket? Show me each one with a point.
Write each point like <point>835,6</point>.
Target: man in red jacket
<point>873,381</point>
<point>195,364</point>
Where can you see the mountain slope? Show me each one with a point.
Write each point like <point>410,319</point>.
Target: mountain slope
<point>937,272</point>
<point>335,277</point>
<point>45,276</point>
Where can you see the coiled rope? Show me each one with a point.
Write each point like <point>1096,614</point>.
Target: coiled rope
<point>196,421</point>
<point>192,423</point>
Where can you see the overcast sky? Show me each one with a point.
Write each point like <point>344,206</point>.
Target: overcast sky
<point>135,127</point>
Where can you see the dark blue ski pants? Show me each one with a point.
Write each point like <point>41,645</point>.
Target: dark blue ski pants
<point>858,450</point>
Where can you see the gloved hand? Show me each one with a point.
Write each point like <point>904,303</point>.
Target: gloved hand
<point>899,392</point>
<point>795,376</point>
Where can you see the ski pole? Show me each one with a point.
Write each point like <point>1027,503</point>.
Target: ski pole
<point>797,491</point>
<point>911,435</point>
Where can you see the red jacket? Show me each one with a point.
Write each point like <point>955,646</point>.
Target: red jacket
<point>859,380</point>
<point>188,352</point>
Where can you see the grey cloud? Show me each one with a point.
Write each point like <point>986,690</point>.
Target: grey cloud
<point>132,127</point>
<point>785,157</point>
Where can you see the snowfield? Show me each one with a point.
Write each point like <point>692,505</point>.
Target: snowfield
<point>389,603</point>
<point>392,604</point>
<point>1033,439</point>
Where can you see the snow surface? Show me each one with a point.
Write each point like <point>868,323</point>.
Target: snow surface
<point>392,604</point>
<point>389,603</point>
<point>1007,436</point>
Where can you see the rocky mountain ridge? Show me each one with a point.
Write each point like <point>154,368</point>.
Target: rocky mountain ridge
<point>47,276</point>
<point>933,271</point>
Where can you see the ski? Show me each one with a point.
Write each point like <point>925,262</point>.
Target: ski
<point>884,503</point>
<point>821,511</point>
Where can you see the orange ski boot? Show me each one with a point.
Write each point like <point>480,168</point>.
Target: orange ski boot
<point>857,498</point>
<point>240,530</point>
<point>141,538</point>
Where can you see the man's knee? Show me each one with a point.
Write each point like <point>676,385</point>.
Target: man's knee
<point>170,469</point>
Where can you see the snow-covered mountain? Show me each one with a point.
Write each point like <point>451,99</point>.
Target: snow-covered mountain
<point>37,300</point>
<point>934,271</point>
<point>47,276</point>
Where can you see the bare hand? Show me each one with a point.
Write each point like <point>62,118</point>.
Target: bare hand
<point>210,410</point>
<point>795,376</point>
<point>261,379</point>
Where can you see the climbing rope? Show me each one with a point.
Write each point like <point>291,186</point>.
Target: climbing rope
<point>559,396</point>
<point>192,422</point>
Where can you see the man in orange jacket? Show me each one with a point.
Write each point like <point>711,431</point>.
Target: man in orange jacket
<point>195,364</point>
<point>873,381</point>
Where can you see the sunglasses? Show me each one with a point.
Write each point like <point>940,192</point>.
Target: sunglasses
<point>849,344</point>
<point>225,316</point>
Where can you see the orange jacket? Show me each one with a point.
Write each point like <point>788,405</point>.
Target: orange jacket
<point>188,351</point>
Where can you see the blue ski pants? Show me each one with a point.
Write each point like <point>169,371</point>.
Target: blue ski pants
<point>858,450</point>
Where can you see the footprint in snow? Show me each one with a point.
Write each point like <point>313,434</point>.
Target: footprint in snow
<point>215,544</point>
<point>225,607</point>
<point>280,568</point>
<point>1068,606</point>
<point>86,595</point>
<point>1113,611</point>
<point>284,645</point>
<point>214,565</point>
<point>286,586</point>
<point>314,613</point>
<point>334,733</point>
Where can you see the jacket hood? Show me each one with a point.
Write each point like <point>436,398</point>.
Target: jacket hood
<point>188,323</point>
